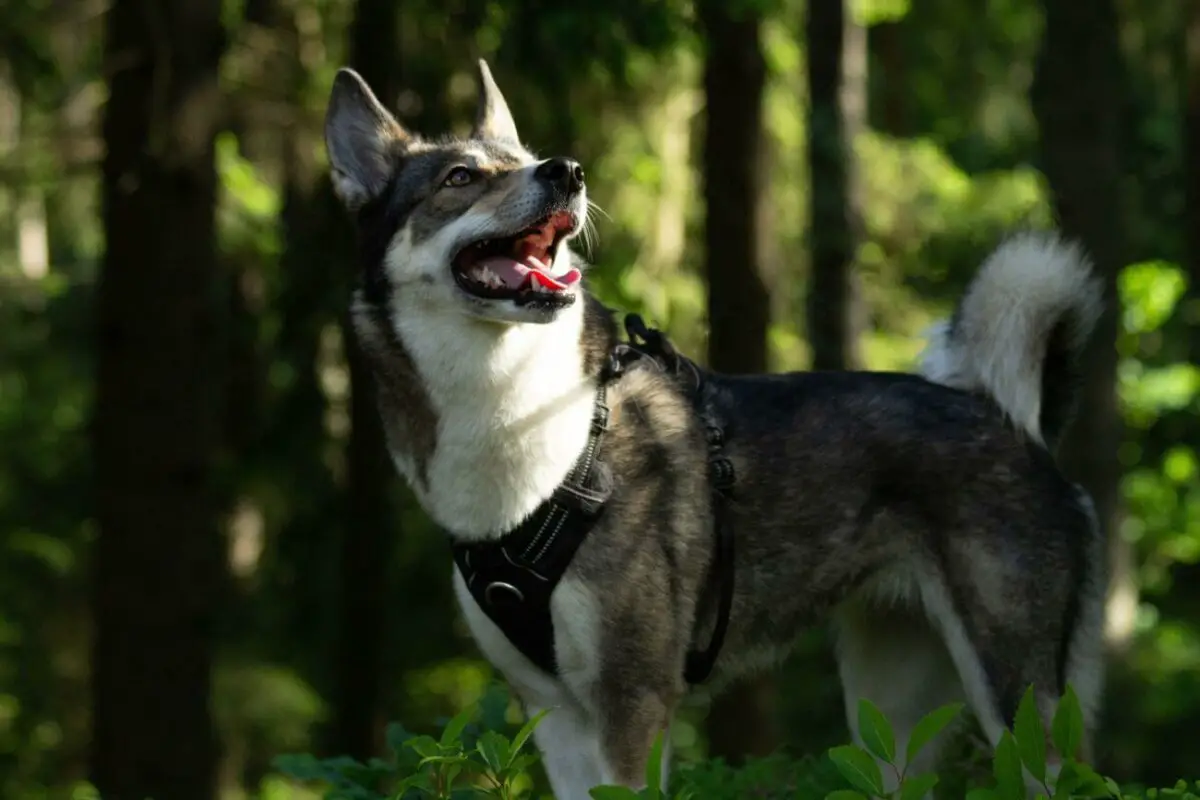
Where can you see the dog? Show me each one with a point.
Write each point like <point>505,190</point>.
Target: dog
<point>599,565</point>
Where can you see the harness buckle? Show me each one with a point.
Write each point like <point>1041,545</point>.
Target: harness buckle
<point>720,470</point>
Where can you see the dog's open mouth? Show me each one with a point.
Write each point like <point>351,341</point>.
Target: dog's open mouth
<point>518,267</point>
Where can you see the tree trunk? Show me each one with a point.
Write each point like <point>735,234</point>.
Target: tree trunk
<point>887,44</point>
<point>837,68</point>
<point>1191,176</point>
<point>741,722</point>
<point>157,564</point>
<point>1076,97</point>
<point>370,529</point>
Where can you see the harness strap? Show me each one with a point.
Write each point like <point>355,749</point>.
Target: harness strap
<point>512,579</point>
<point>654,344</point>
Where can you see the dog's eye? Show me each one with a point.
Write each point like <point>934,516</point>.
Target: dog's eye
<point>459,176</point>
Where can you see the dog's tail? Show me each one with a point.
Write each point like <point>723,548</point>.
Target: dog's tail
<point>1019,332</point>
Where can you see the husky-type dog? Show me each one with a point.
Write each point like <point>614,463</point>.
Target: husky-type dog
<point>923,514</point>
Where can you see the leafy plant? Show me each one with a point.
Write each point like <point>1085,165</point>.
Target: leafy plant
<point>474,757</point>
<point>1020,756</point>
<point>466,761</point>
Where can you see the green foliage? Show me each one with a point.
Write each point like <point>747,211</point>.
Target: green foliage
<point>928,727</point>
<point>470,761</point>
<point>1019,763</point>
<point>467,759</point>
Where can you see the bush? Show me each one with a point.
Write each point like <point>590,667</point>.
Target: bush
<point>478,755</point>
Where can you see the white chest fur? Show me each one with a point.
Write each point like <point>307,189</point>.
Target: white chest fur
<point>513,409</point>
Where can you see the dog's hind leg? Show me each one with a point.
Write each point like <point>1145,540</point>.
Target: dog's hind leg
<point>892,656</point>
<point>997,658</point>
<point>1085,656</point>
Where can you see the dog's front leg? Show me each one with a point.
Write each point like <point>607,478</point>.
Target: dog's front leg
<point>569,736</point>
<point>570,743</point>
<point>583,749</point>
<point>630,722</point>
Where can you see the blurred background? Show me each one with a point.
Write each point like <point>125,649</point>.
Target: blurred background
<point>205,558</point>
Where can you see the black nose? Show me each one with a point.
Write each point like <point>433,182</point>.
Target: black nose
<point>563,174</point>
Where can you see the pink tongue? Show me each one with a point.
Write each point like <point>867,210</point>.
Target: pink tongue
<point>518,274</point>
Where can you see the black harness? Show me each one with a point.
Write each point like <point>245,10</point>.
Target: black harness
<point>512,578</point>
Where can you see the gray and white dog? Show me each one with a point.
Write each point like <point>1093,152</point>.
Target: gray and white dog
<point>923,514</point>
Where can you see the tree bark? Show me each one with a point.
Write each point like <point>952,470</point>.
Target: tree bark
<point>1191,175</point>
<point>837,67</point>
<point>1076,94</point>
<point>369,527</point>
<point>157,564</point>
<point>741,722</point>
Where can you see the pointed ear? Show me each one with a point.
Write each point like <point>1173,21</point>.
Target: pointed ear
<point>360,137</point>
<point>493,120</point>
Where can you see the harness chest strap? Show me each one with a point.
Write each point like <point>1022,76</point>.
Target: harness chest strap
<point>512,578</point>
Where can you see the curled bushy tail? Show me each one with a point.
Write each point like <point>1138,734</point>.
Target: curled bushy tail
<point>1019,332</point>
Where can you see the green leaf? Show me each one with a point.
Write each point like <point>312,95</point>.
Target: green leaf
<point>1068,779</point>
<point>494,749</point>
<point>301,767</point>
<point>875,731</point>
<point>454,727</point>
<point>1088,782</point>
<point>857,767</point>
<point>396,737</point>
<point>928,727</point>
<point>846,794</point>
<point>918,786</point>
<point>342,771</point>
<point>1010,780</point>
<point>654,767</point>
<point>451,772</point>
<point>613,793</point>
<point>1031,736</point>
<point>425,746</point>
<point>521,763</point>
<point>527,730</point>
<point>422,781</point>
<point>1066,729</point>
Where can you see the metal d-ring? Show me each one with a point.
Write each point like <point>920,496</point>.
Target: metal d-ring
<point>490,593</point>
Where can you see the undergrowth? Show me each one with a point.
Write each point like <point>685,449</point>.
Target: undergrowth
<point>479,755</point>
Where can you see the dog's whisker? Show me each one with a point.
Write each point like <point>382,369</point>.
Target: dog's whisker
<point>589,238</point>
<point>594,206</point>
<point>591,235</point>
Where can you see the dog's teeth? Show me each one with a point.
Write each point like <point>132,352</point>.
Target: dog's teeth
<point>488,278</point>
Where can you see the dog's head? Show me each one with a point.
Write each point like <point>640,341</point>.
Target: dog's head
<point>479,224</point>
